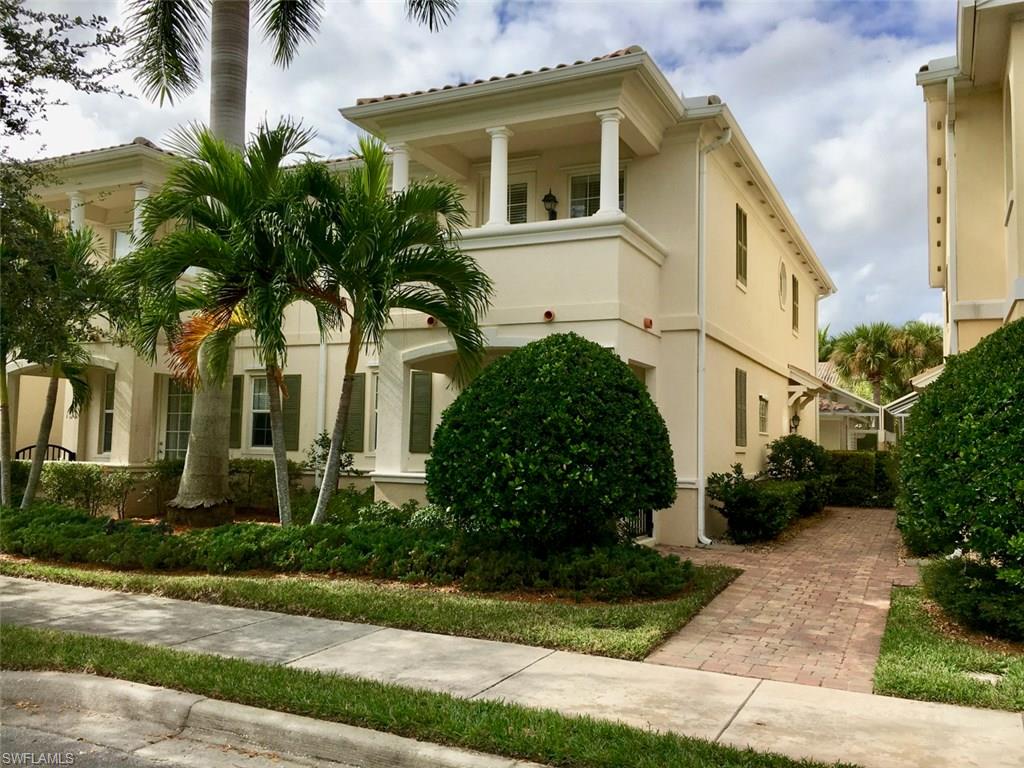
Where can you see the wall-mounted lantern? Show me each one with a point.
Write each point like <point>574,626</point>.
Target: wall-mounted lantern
<point>794,423</point>
<point>550,205</point>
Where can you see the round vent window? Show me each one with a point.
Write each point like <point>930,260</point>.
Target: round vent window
<point>783,284</point>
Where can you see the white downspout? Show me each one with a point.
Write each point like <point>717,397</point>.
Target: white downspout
<point>321,399</point>
<point>954,334</point>
<point>721,141</point>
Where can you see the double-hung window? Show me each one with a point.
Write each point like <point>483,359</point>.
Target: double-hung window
<point>107,420</point>
<point>796,304</point>
<point>585,194</point>
<point>179,420</point>
<point>261,434</point>
<point>762,414</point>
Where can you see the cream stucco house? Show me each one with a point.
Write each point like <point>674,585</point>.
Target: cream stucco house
<point>668,244</point>
<point>975,142</point>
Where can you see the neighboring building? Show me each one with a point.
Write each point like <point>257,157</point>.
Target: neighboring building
<point>668,244</point>
<point>849,422</point>
<point>975,144</point>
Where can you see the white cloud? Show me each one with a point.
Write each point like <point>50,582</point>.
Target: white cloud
<point>825,92</point>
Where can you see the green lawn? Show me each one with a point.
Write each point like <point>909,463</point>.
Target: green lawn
<point>625,631</point>
<point>918,661</point>
<point>498,728</point>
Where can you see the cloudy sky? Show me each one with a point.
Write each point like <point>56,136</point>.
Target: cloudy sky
<point>824,90</point>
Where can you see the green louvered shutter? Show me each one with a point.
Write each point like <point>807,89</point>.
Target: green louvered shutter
<point>741,407</point>
<point>355,426</point>
<point>291,412</point>
<point>236,412</point>
<point>419,412</point>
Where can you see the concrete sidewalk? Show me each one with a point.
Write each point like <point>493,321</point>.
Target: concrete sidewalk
<point>796,720</point>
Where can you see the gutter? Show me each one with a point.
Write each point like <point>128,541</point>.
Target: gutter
<point>702,332</point>
<point>951,206</point>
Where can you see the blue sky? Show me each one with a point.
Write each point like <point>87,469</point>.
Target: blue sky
<point>824,90</point>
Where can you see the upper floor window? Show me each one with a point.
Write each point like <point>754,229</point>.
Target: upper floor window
<point>796,304</point>
<point>122,244</point>
<point>585,194</point>
<point>783,284</point>
<point>741,245</point>
<point>518,202</point>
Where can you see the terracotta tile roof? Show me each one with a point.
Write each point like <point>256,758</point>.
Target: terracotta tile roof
<point>138,140</point>
<point>392,96</point>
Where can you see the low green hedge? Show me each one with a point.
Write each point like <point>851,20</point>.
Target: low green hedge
<point>757,509</point>
<point>864,478</point>
<point>972,593</point>
<point>411,543</point>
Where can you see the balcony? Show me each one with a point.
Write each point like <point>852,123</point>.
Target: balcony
<point>593,268</point>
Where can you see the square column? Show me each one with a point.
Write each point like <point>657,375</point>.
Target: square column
<point>141,193</point>
<point>609,162</point>
<point>399,167</point>
<point>499,176</point>
<point>76,211</point>
<point>390,449</point>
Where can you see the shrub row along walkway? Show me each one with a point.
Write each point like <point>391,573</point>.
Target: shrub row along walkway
<point>796,720</point>
<point>811,610</point>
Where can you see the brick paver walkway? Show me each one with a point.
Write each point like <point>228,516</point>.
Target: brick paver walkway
<point>810,611</point>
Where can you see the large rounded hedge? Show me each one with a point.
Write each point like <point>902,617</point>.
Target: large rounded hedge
<point>962,459</point>
<point>550,446</point>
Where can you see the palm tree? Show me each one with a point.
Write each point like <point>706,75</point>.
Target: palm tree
<point>867,353</point>
<point>235,210</point>
<point>168,38</point>
<point>826,344</point>
<point>381,251</point>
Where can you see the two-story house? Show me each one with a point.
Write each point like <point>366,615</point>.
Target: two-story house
<point>975,143</point>
<point>604,203</point>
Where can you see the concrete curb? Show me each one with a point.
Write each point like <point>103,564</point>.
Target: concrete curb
<point>274,730</point>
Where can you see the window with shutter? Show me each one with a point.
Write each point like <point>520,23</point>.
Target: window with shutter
<point>518,202</point>
<point>355,425</point>
<point>796,304</point>
<point>741,245</point>
<point>260,435</point>
<point>291,409</point>
<point>107,417</point>
<point>236,412</point>
<point>419,412</point>
<point>741,407</point>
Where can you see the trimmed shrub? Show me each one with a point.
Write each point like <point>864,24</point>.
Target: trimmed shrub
<point>550,446</point>
<point>343,508</point>
<point>962,458</point>
<point>887,469</point>
<point>253,484</point>
<point>756,509</point>
<point>794,457</point>
<point>854,484</point>
<point>73,483</point>
<point>973,593</point>
<point>19,479</point>
<point>408,543</point>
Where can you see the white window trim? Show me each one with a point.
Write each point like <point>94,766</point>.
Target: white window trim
<point>529,177</point>
<point>370,441</point>
<point>103,414</point>
<point>762,397</point>
<point>248,412</point>
<point>163,412</point>
<point>591,170</point>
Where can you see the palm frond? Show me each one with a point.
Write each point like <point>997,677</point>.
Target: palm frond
<point>169,36</point>
<point>288,24</point>
<point>435,14</point>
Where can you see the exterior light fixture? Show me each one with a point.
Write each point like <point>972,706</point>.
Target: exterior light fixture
<point>794,423</point>
<point>550,205</point>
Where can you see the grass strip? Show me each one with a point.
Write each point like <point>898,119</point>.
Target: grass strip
<point>920,661</point>
<point>618,630</point>
<point>486,726</point>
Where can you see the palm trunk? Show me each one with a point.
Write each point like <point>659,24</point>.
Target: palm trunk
<point>229,64</point>
<point>204,480</point>
<point>6,494</point>
<point>330,481</point>
<point>284,502</point>
<point>42,439</point>
<point>876,387</point>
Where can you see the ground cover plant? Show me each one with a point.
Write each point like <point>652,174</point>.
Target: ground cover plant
<point>549,447</point>
<point>924,656</point>
<point>620,630</point>
<point>496,727</point>
<point>411,543</point>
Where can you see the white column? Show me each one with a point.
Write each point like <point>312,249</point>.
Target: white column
<point>499,176</point>
<point>76,211</point>
<point>391,440</point>
<point>141,193</point>
<point>399,167</point>
<point>609,162</point>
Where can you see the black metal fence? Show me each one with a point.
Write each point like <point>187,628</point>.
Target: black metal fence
<point>53,453</point>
